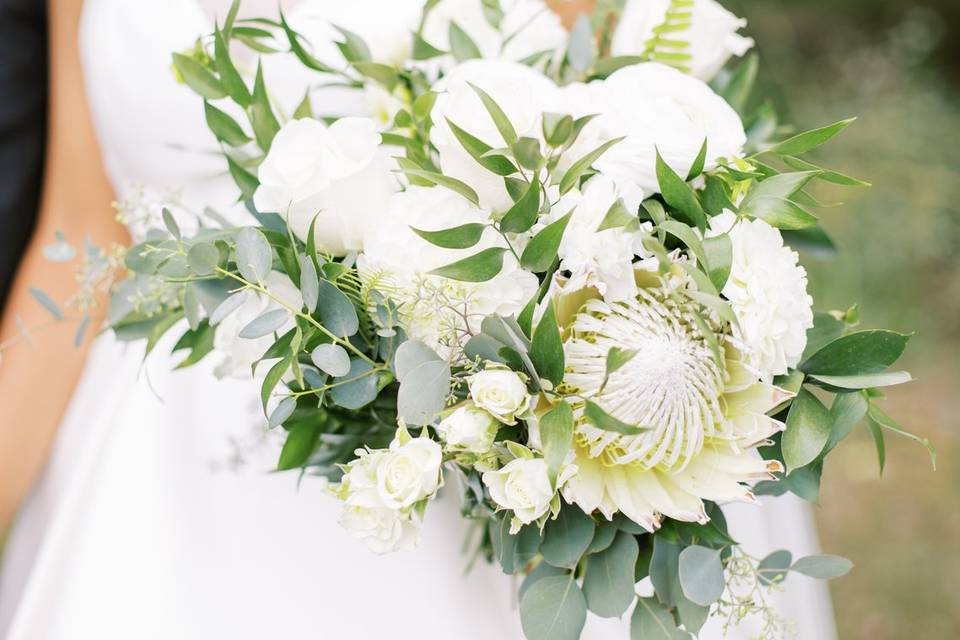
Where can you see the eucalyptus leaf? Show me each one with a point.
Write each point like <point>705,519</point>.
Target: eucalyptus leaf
<point>773,568</point>
<point>357,388</point>
<point>553,608</point>
<point>309,283</point>
<point>283,411</point>
<point>566,539</point>
<point>203,258</point>
<point>265,324</point>
<point>336,311</point>
<point>410,355</point>
<point>254,255</point>
<point>701,574</point>
<point>423,392</point>
<point>652,621</point>
<point>332,359</point>
<point>228,306</point>
<point>822,567</point>
<point>609,581</point>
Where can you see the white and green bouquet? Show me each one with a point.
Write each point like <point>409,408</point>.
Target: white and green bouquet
<point>554,269</point>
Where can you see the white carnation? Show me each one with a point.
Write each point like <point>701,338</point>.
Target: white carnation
<point>767,289</point>
<point>657,108</point>
<point>521,92</point>
<point>712,36</point>
<point>383,530</point>
<point>468,429</point>
<point>435,310</point>
<point>337,172</point>
<point>239,354</point>
<point>500,392</point>
<point>522,486</point>
<point>599,259</point>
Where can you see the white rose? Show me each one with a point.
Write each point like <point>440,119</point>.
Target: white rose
<point>397,262</point>
<point>500,392</point>
<point>408,473</point>
<point>337,172</point>
<point>239,354</point>
<point>468,429</point>
<point>527,27</point>
<point>522,486</point>
<point>522,93</point>
<point>655,107</point>
<point>712,36</point>
<point>767,289</point>
<point>383,530</point>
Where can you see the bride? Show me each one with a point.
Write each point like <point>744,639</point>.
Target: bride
<point>153,516</point>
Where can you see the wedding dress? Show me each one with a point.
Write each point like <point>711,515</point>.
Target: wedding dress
<point>157,516</point>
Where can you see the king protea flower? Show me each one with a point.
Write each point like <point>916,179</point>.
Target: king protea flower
<point>705,411</point>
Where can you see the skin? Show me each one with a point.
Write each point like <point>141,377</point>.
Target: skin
<point>36,380</point>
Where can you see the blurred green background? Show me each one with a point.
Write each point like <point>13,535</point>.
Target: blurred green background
<point>896,65</point>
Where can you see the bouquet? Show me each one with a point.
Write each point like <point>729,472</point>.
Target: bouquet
<point>553,268</point>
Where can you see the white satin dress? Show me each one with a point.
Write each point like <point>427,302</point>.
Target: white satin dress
<point>145,524</point>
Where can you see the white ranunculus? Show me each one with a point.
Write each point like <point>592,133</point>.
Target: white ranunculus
<point>600,259</point>
<point>712,37</point>
<point>337,172</point>
<point>239,354</point>
<point>767,289</point>
<point>655,107</point>
<point>382,529</point>
<point>521,92</point>
<point>408,473</point>
<point>468,429</point>
<point>527,27</point>
<point>438,311</point>
<point>522,486</point>
<point>501,393</point>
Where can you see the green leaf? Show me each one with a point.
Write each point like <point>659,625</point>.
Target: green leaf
<point>824,174</point>
<point>272,379</point>
<point>618,357</point>
<point>336,311</point>
<point>331,359</point>
<point>410,355</point>
<point>679,195</point>
<point>697,167</point>
<point>461,46</point>
<point>479,267</point>
<point>46,302</point>
<point>652,621</point>
<point>553,608</point>
<point>423,392</point>
<point>719,253</point>
<point>806,141</point>
<point>224,127</point>
<point>478,149</point>
<point>606,66</point>
<point>540,252</point>
<point>857,353</point>
<point>198,77</point>
<point>566,539</point>
<point>581,51</point>
<point>500,119</point>
<point>617,216</point>
<point>254,255</point>
<point>608,582</point>
<point>523,214</point>
<point>353,47</point>
<point>808,428</point>
<point>866,381</point>
<point>445,181</point>
<point>846,412</point>
<point>360,391</point>
<point>556,434</point>
<point>383,74</point>
<point>265,324</point>
<point>246,181</point>
<point>701,574</point>
<point>812,240</point>
<point>773,568</point>
<point>282,411</point>
<point>822,567</point>
<point>527,152</point>
<point>423,50</point>
<point>302,54</point>
<point>232,82</point>
<point>301,440</point>
<point>826,328</point>
<point>603,537</point>
<point>878,416</point>
<point>688,237</point>
<point>541,571</point>
<point>557,128</point>
<point>265,125</point>
<point>461,237</point>
<point>546,348</point>
<point>780,213</point>
<point>572,176</point>
<point>737,91</point>
<point>599,418</point>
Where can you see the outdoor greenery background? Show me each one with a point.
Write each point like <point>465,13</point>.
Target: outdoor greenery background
<point>896,65</point>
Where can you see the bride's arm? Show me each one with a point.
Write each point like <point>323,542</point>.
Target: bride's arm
<point>36,381</point>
